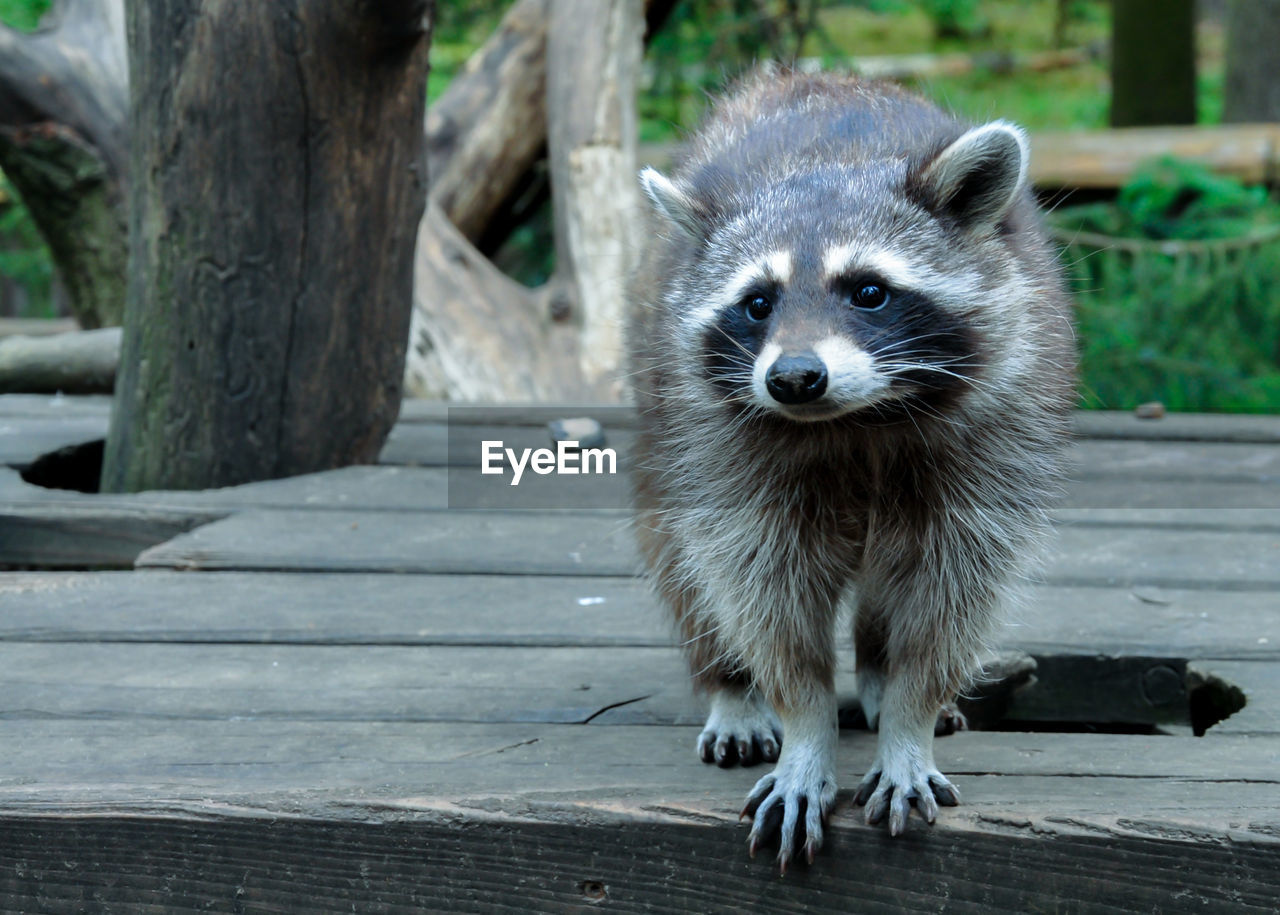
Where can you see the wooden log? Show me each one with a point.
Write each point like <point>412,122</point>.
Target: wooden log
<point>489,127</point>
<point>594,61</point>
<point>63,97</point>
<point>74,72</point>
<point>477,335</point>
<point>80,362</point>
<point>36,327</point>
<point>1106,158</point>
<point>269,303</point>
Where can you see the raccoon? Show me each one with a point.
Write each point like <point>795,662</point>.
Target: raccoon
<point>853,363</point>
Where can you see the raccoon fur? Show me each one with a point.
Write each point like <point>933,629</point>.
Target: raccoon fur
<point>853,362</point>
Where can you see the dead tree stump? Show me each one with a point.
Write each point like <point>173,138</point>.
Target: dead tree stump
<point>272,223</point>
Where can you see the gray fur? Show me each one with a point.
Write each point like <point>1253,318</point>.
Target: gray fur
<point>757,520</point>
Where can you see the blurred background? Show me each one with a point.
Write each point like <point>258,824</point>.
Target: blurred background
<point>1157,178</point>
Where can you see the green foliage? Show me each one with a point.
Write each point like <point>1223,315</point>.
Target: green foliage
<point>22,14</point>
<point>24,257</point>
<point>1190,315</point>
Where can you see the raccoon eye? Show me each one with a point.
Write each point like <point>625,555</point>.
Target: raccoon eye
<point>757,307</point>
<point>871,297</point>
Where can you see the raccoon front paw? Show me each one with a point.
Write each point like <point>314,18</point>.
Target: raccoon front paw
<point>741,730</point>
<point>891,786</point>
<point>793,801</point>
<point>950,721</point>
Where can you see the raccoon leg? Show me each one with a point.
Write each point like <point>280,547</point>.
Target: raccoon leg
<point>742,728</point>
<point>869,647</point>
<point>794,799</point>
<point>932,631</point>
<point>792,655</point>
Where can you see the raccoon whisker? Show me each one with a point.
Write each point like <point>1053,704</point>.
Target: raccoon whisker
<point>897,369</point>
<point>751,357</point>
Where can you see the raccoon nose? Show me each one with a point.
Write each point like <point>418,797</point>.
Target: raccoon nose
<point>796,379</point>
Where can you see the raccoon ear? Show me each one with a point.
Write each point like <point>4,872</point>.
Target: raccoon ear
<point>977,178</point>
<point>671,202</point>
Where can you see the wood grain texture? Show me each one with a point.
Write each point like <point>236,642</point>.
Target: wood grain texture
<point>599,543</point>
<point>517,610</point>
<point>266,340</point>
<point>512,728</point>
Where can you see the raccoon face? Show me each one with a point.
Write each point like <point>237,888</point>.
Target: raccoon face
<point>831,293</point>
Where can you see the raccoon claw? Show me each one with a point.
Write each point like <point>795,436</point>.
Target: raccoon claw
<point>727,750</point>
<point>894,796</point>
<point>740,731</point>
<point>793,808</point>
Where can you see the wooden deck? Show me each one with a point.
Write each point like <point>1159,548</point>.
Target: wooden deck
<point>333,693</point>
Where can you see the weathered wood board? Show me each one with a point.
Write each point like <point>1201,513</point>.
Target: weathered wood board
<point>512,610</point>
<point>333,693</point>
<point>553,543</point>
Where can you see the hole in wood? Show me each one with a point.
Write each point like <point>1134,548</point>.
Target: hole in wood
<point>1077,694</point>
<point>76,467</point>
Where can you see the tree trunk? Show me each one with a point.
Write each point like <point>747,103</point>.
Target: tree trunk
<point>476,334</point>
<point>1153,65</point>
<point>272,224</point>
<point>1252,90</point>
<point>63,98</point>
<point>594,49</point>
<point>489,127</point>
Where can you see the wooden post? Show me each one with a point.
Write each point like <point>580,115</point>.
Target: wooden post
<point>593,63</point>
<point>1153,64</point>
<point>1252,90</point>
<point>272,223</point>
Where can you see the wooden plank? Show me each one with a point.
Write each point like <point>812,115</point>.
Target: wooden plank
<point>46,406</point>
<point>1190,427</point>
<point>23,439</point>
<point>351,609</point>
<point>600,544</point>
<point>1175,460</point>
<point>1206,427</point>
<point>427,444</point>
<point>544,857</point>
<point>1106,158</point>
<point>609,685</point>
<point>404,488</point>
<point>515,610</point>
<point>522,818</point>
<point>1102,492</point>
<point>71,537</point>
<point>36,327</point>
<point>1106,424</point>
<point>463,543</point>
<point>363,487</point>
<point>235,759</point>
<point>338,682</point>
<point>611,415</point>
